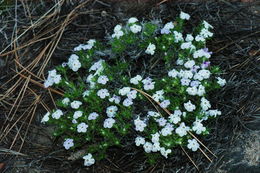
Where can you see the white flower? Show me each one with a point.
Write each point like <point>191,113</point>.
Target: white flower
<point>161,121</point>
<point>148,146</point>
<point>179,62</point>
<point>205,104</point>
<point>103,79</point>
<point>93,116</point>
<point>97,66</point>
<point>169,25</point>
<point>189,38</point>
<point>185,82</point>
<point>204,73</point>
<point>108,123</point>
<point>150,49</point>
<point>74,63</point>
<point>74,121</point>
<point>46,118</point>
<point>155,137</point>
<point>53,78</point>
<point>75,104</point>
<point>82,127</point>
<point>201,90</point>
<point>127,102</point>
<point>117,32</point>
<point>156,147</point>
<point>68,143</point>
<point>198,127</point>
<point>135,28</point>
<point>199,38</point>
<point>132,94</point>
<point>116,99</point>
<point>165,103</point>
<point>165,152</point>
<point>189,106</point>
<point>124,91</point>
<point>198,76</point>
<point>187,45</point>
<point>221,81</point>
<point>185,74</point>
<point>148,84</point>
<point>135,80</point>
<point>213,113</point>
<point>189,64</point>
<point>167,130</point>
<point>139,141</point>
<point>90,80</point>
<point>195,83</point>
<point>206,33</point>
<point>193,144</point>
<point>47,83</point>
<point>167,28</point>
<point>207,25</point>
<point>158,95</point>
<point>77,114</point>
<point>86,93</point>
<point>184,16</point>
<point>57,114</point>
<point>198,53</point>
<point>177,112</point>
<point>65,101</point>
<point>173,73</point>
<point>117,28</point>
<point>91,42</point>
<point>192,91</point>
<point>175,119</point>
<point>182,130</point>
<point>201,53</point>
<point>139,124</point>
<point>178,36</point>
<point>103,93</point>
<point>184,114</point>
<point>79,47</point>
<point>57,78</point>
<point>88,160</point>
<point>132,20</point>
<point>111,111</point>
<point>153,114</point>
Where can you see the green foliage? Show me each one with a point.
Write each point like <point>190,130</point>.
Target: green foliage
<point>131,87</point>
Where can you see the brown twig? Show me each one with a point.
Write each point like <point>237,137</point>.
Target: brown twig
<point>190,158</point>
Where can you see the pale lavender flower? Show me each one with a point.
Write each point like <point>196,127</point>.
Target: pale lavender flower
<point>194,83</point>
<point>205,64</point>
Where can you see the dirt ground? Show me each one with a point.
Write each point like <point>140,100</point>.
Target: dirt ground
<point>37,36</point>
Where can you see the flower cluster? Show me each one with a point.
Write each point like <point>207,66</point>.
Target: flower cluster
<point>148,78</point>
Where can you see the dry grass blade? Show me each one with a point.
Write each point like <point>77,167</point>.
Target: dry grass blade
<point>8,151</point>
<point>202,144</point>
<point>19,100</point>
<point>42,86</point>
<point>41,26</point>
<point>6,132</point>
<point>28,126</point>
<point>168,112</point>
<point>58,3</point>
<point>20,65</point>
<point>190,158</point>
<point>205,154</point>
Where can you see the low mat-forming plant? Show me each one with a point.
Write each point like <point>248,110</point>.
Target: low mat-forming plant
<point>147,85</point>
